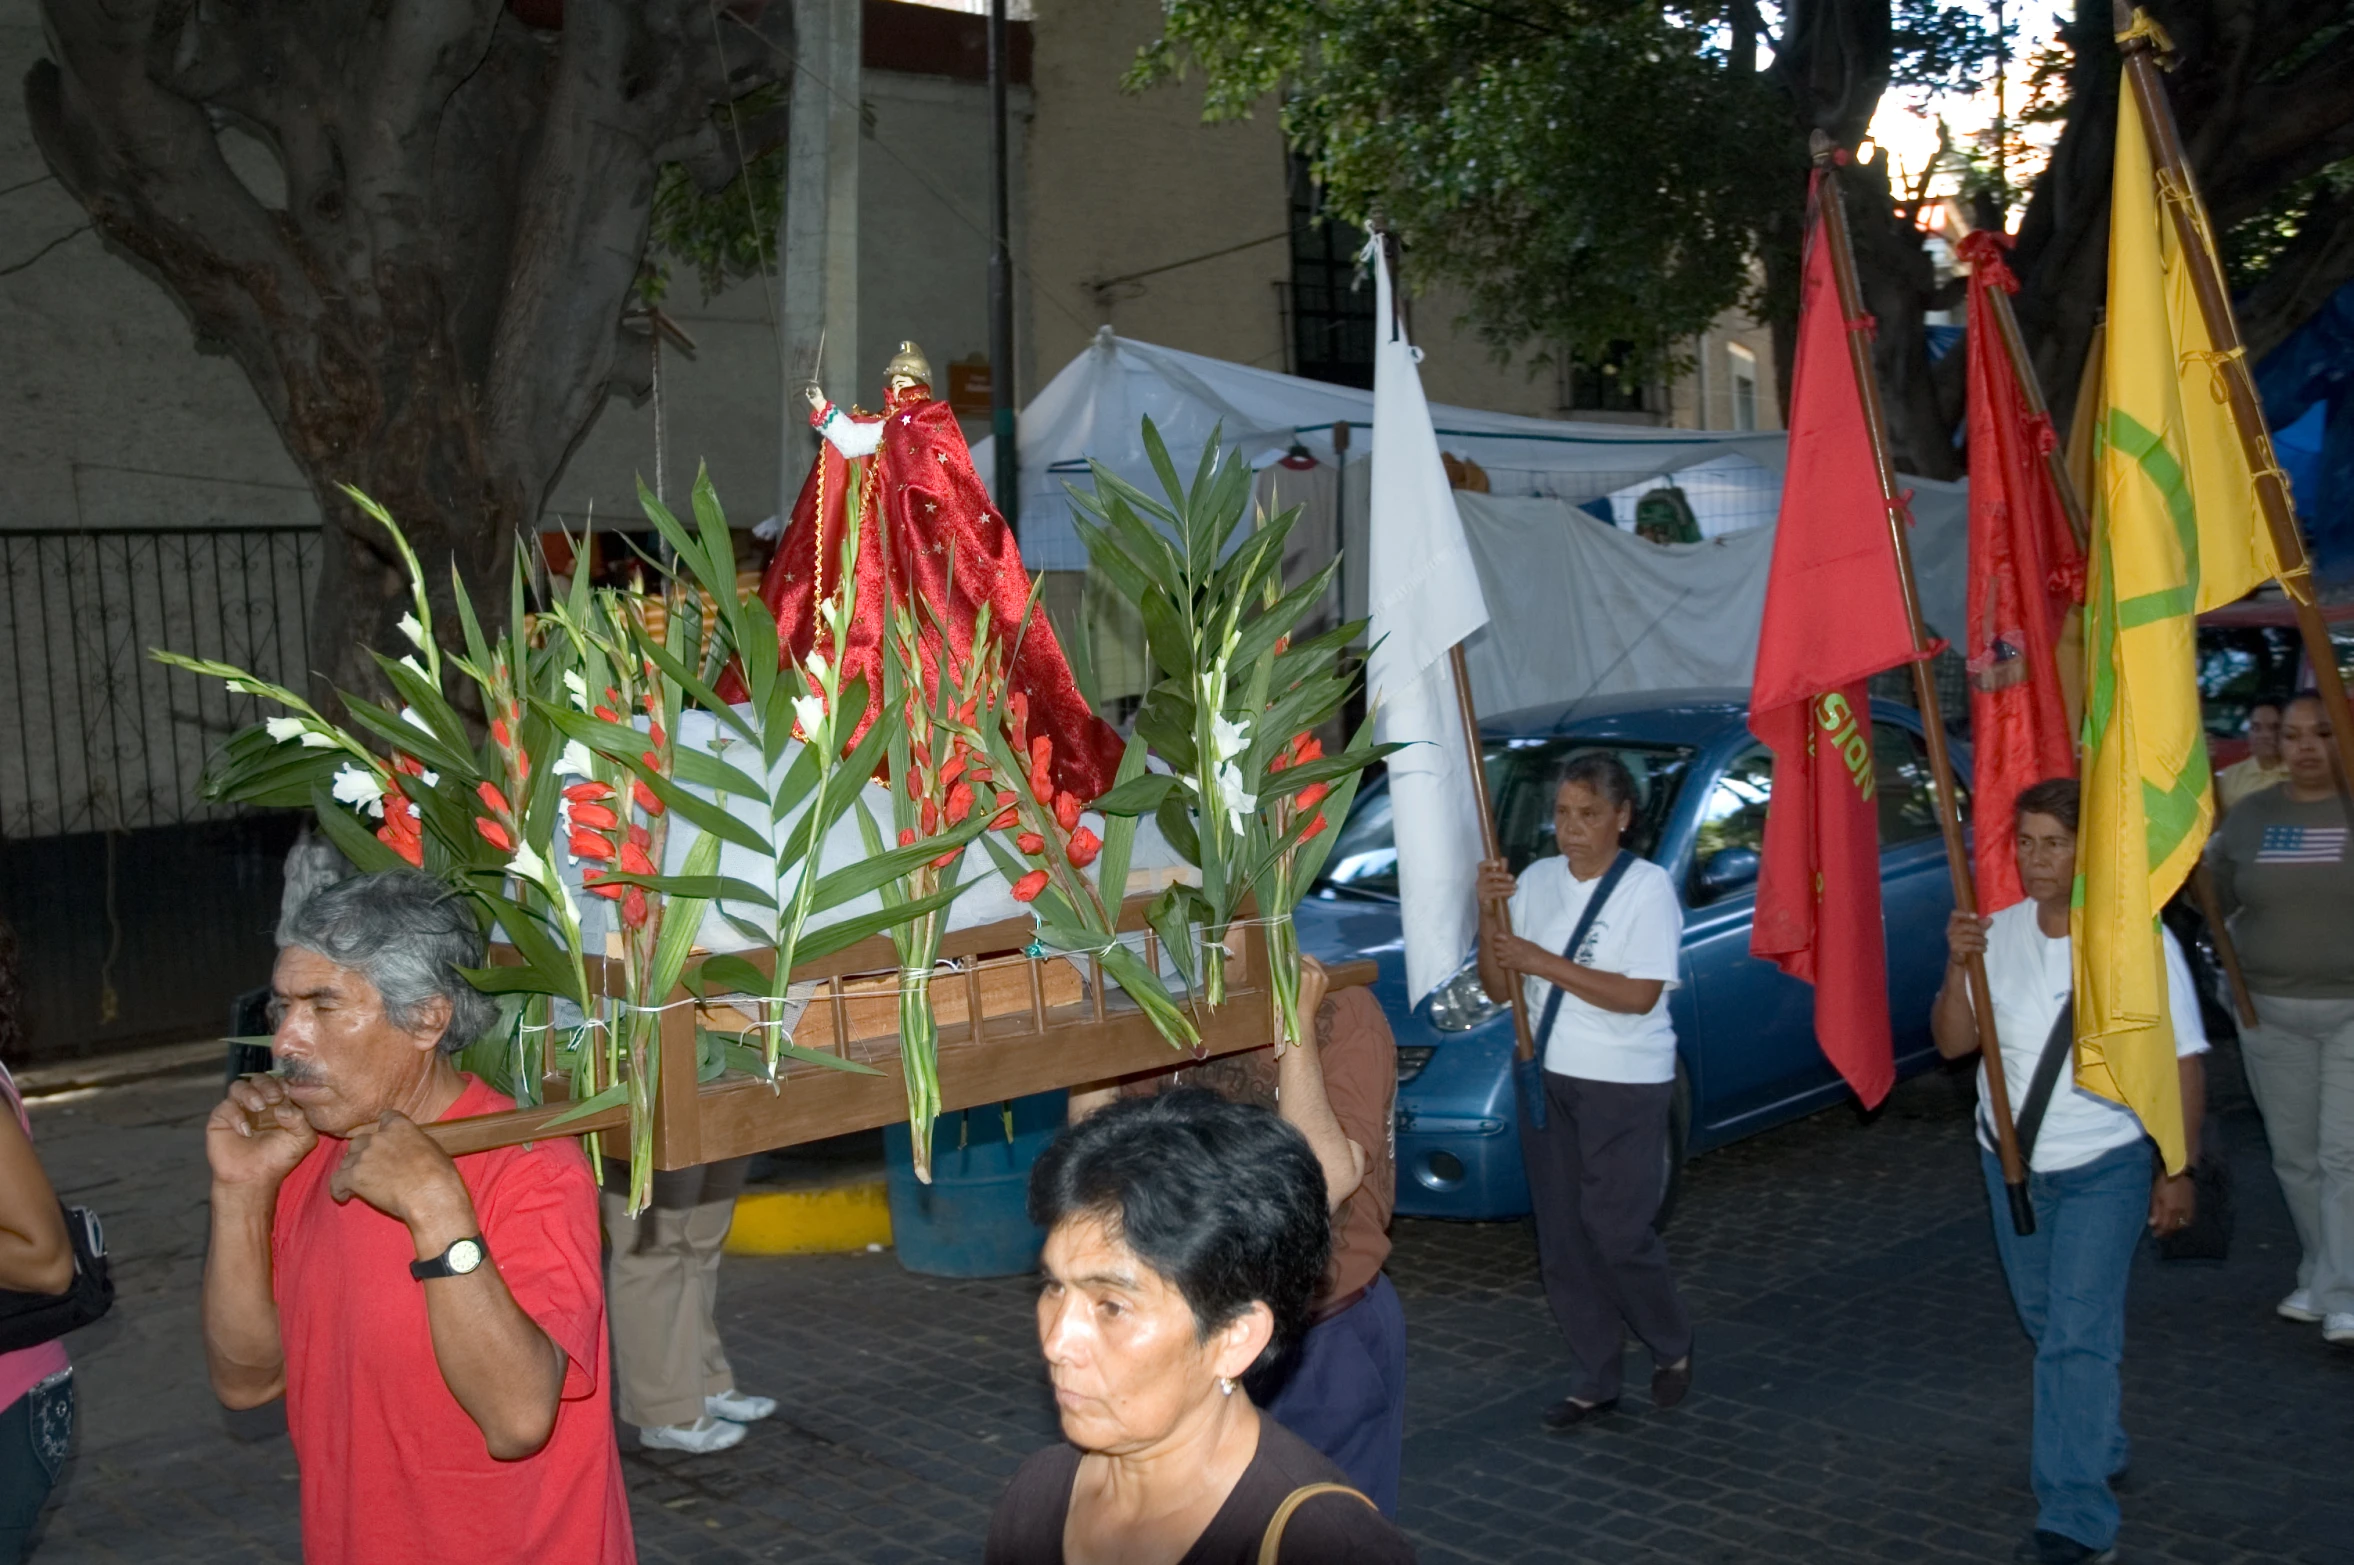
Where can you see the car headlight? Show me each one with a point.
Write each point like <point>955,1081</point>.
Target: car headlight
<point>1461,1003</point>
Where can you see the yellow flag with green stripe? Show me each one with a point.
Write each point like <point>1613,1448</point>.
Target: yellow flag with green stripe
<point>2177,530</point>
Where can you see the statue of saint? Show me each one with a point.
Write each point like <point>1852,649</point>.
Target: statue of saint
<point>921,502</point>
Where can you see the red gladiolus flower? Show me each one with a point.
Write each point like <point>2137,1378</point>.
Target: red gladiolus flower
<point>907,837</point>
<point>612,696</point>
<point>633,908</point>
<point>1041,753</point>
<point>953,770</point>
<point>1085,845</point>
<point>522,765</point>
<point>1042,788</point>
<point>1030,842</point>
<point>634,860</point>
<point>495,799</point>
<point>655,733</point>
<point>408,765</point>
<point>595,815</point>
<point>946,859</point>
<point>1278,761</point>
<point>588,793</point>
<point>920,756</point>
<point>960,802</point>
<point>1007,819</point>
<point>653,761</point>
<point>647,800</point>
<point>409,848</point>
<point>1311,796</point>
<point>639,837</point>
<point>494,834</point>
<point>1066,810</point>
<point>607,713</point>
<point>1017,712</point>
<point>930,817</point>
<point>968,711</point>
<point>1314,827</point>
<point>588,845</point>
<point>1027,888</point>
<point>500,732</point>
<point>599,886</point>
<point>1306,747</point>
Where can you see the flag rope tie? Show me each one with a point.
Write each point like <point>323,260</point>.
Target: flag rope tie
<point>2145,27</point>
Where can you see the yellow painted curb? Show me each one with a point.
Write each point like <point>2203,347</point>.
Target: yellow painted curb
<point>811,1222</point>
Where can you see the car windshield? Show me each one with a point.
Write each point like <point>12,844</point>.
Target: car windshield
<point>1523,776</point>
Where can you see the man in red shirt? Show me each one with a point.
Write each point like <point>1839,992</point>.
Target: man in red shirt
<point>440,1340</point>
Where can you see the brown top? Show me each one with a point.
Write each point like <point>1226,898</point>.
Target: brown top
<point>1327,1529</point>
<point>1360,1060</point>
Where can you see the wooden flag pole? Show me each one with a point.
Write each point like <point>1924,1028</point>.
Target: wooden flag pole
<point>1524,1043</point>
<point>2180,195</point>
<point>2055,462</point>
<point>1957,853</point>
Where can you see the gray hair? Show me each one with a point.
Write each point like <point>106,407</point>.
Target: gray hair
<point>408,934</point>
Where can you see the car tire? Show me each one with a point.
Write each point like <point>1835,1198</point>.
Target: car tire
<point>1679,1137</point>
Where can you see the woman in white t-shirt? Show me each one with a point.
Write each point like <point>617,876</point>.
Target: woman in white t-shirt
<point>1609,1053</point>
<point>2089,1176</point>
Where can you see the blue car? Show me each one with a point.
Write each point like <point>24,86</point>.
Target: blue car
<point>1746,1053</point>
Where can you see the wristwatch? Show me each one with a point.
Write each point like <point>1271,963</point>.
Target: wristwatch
<point>463,1256</point>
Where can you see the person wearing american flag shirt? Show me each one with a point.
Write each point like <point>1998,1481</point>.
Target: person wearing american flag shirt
<point>2286,880</point>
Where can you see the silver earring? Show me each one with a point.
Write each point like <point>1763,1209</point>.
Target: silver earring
<point>1225,1386</point>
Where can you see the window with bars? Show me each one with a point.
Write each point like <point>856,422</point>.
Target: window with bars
<point>1331,312</point>
<point>1605,386</point>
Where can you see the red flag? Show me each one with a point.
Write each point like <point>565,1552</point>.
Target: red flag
<point>1834,616</point>
<point>2025,569</point>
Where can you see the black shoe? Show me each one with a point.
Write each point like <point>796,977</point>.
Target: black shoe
<point>2057,1548</point>
<point>1569,1412</point>
<point>1671,1383</point>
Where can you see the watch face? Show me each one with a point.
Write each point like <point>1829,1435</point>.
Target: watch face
<point>465,1256</point>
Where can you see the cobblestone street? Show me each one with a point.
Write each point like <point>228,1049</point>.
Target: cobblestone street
<point>1862,1390</point>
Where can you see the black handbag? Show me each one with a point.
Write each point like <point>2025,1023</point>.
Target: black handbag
<point>30,1319</point>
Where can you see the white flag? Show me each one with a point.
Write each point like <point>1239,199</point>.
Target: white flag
<point>1424,597</point>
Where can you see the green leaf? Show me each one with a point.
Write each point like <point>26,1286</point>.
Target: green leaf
<point>1167,721</point>
<point>1176,823</point>
<point>612,1097</point>
<point>841,936</point>
<point>729,973</point>
<point>1139,795</point>
<point>355,841</point>
<point>701,769</point>
<point>704,888</point>
<point>1119,833</point>
<point>1173,915</point>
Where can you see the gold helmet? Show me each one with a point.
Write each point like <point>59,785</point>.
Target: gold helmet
<point>907,367</point>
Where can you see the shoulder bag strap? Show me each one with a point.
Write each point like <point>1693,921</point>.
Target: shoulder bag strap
<point>1271,1544</point>
<point>1577,937</point>
<point>2058,1046</point>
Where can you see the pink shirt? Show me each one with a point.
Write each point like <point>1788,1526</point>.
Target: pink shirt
<point>26,1367</point>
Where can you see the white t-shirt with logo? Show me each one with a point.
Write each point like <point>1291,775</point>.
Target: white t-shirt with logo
<point>2031,977</point>
<point>1639,933</point>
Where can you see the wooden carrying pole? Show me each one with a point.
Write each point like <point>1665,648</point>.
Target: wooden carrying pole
<point>1957,853</point>
<point>2055,461</point>
<point>1524,1043</point>
<point>2231,366</point>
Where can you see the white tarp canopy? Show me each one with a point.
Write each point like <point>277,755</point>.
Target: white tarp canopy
<point>1095,406</point>
<point>1645,616</point>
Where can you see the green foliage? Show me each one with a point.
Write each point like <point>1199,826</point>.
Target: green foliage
<point>1588,173</point>
<point>2254,245</point>
<point>728,234</point>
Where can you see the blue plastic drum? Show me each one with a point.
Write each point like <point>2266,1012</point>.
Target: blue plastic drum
<point>969,1221</point>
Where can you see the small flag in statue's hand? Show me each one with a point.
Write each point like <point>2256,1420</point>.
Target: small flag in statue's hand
<point>1834,616</point>
<point>2025,570</point>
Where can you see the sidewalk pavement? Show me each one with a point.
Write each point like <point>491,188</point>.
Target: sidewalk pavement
<point>1862,1393</point>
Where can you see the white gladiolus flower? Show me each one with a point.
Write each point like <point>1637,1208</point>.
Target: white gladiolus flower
<point>810,713</point>
<point>576,687</point>
<point>359,788</point>
<point>413,666</point>
<point>430,780</point>
<point>528,864</point>
<point>1228,739</point>
<point>414,631</point>
<point>1238,803</point>
<point>575,760</point>
<point>410,714</point>
<point>312,739</point>
<point>816,664</point>
<point>285,728</point>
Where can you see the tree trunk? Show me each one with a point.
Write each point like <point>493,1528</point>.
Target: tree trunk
<point>434,316</point>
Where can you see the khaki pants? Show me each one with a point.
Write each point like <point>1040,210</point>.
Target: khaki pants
<point>664,1286</point>
<point>2301,1070</point>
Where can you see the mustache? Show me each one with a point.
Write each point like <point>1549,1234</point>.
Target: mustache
<point>299,1073</point>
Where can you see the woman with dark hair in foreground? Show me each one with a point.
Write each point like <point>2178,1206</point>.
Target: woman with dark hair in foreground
<point>1186,1237</point>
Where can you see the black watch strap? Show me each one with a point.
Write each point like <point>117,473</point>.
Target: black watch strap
<point>462,1256</point>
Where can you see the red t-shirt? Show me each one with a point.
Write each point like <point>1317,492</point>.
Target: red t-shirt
<point>392,1468</point>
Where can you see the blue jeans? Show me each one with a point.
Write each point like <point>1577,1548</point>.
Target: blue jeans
<point>1345,1394</point>
<point>2068,1280</point>
<point>35,1431</point>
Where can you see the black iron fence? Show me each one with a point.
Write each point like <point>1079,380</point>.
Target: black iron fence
<point>95,735</point>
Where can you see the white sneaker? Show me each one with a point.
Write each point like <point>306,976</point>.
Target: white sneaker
<point>700,1438</point>
<point>2298,1307</point>
<point>2339,1329</point>
<point>737,1407</point>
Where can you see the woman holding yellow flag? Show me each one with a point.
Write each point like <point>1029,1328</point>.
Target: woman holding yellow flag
<point>2090,1175</point>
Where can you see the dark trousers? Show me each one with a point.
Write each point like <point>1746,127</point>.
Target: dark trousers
<point>35,1431</point>
<point>1595,1178</point>
<point>1345,1394</point>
